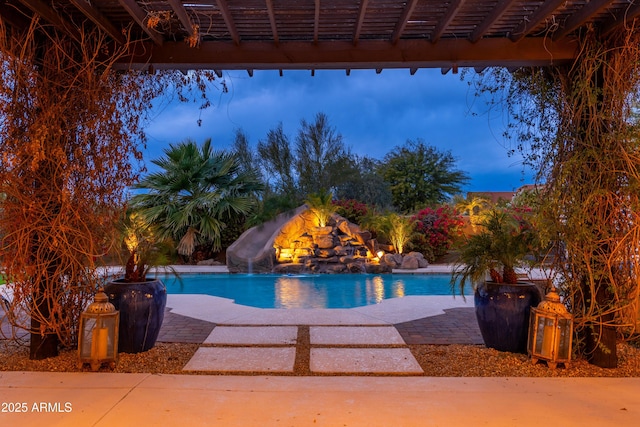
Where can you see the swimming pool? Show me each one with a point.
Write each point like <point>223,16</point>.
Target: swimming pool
<point>310,291</point>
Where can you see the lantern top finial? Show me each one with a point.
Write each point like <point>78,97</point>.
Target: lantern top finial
<point>101,304</point>
<point>552,303</point>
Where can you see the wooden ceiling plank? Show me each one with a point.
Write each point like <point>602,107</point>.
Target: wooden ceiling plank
<point>579,18</point>
<point>404,18</point>
<point>491,19</point>
<point>361,14</point>
<point>186,22</point>
<point>51,16</point>
<point>446,20</point>
<point>228,20</point>
<point>139,15</point>
<point>529,24</point>
<point>99,19</point>
<point>272,21</point>
<point>628,15</point>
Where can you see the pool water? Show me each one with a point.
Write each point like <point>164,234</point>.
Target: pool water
<point>310,291</point>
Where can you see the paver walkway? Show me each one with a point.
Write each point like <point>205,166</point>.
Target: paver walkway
<point>317,349</point>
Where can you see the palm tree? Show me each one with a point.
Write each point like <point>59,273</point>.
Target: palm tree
<point>321,204</point>
<point>397,229</point>
<point>194,194</point>
<point>475,206</point>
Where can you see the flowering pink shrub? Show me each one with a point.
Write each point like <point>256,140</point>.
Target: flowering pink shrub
<point>351,209</point>
<point>436,230</point>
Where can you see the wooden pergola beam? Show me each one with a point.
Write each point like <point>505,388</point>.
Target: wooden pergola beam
<point>99,19</point>
<point>344,55</point>
<point>492,18</point>
<point>139,15</point>
<point>228,20</point>
<point>186,22</point>
<point>360,21</point>
<point>629,15</point>
<point>12,16</point>
<point>316,21</point>
<point>272,21</point>
<point>528,25</point>
<point>446,20</point>
<point>404,18</point>
<point>50,15</point>
<point>578,18</point>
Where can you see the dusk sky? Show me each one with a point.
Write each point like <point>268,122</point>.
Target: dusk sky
<point>373,112</point>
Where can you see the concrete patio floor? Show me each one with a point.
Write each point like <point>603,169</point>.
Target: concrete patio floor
<point>102,399</point>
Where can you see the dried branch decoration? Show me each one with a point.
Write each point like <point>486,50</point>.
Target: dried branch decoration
<point>70,128</point>
<point>578,126</point>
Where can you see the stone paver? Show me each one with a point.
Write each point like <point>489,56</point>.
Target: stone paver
<point>242,359</point>
<point>456,326</point>
<point>355,335</point>
<point>364,360</point>
<point>253,335</point>
<point>177,328</point>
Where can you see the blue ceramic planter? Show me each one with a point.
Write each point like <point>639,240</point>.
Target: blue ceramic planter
<point>141,306</point>
<point>502,311</point>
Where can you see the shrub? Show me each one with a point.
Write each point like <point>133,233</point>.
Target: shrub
<point>436,230</point>
<point>351,209</point>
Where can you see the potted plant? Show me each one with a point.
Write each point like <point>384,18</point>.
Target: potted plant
<point>140,299</point>
<point>488,260</point>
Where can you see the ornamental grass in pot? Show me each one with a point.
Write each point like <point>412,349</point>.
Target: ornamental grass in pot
<point>488,260</point>
<point>140,299</point>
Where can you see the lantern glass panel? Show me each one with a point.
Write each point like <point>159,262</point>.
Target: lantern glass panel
<point>87,327</point>
<point>564,345</point>
<point>547,337</point>
<point>97,341</point>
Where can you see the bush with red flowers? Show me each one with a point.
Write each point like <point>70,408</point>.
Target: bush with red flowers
<point>351,209</point>
<point>436,231</point>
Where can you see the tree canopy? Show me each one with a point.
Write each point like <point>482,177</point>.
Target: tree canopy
<point>419,175</point>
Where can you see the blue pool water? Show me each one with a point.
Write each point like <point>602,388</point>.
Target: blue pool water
<point>310,291</point>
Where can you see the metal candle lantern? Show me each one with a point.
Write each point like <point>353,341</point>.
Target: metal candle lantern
<point>98,339</point>
<point>550,331</point>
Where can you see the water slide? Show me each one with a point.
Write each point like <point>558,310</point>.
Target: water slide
<point>253,252</point>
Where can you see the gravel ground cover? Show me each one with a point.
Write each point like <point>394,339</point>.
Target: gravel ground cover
<point>436,360</point>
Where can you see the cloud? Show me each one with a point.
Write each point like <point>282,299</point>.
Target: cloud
<point>373,112</point>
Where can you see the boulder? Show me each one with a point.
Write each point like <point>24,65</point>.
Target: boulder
<point>409,263</point>
<point>325,253</point>
<point>335,268</point>
<point>357,267</point>
<point>288,268</point>
<point>324,241</point>
<point>377,268</point>
<point>413,260</point>
<point>392,260</point>
<point>422,262</point>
